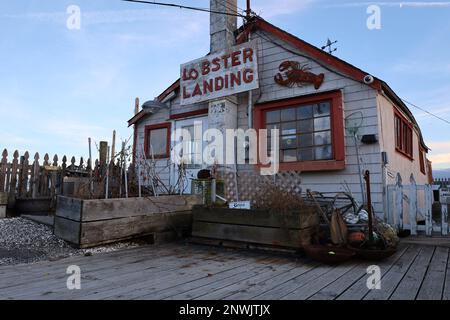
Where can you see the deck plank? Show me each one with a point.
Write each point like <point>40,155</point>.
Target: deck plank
<point>410,284</point>
<point>359,289</point>
<point>266,285</point>
<point>308,290</point>
<point>251,269</point>
<point>391,279</point>
<point>433,284</point>
<point>281,290</point>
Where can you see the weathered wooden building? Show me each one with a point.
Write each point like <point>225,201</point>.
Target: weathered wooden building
<point>318,101</point>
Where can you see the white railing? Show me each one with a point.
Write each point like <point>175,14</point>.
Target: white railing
<point>408,204</point>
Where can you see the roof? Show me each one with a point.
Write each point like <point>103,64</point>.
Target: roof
<point>317,54</point>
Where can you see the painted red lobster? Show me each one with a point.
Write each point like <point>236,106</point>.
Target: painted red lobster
<point>297,74</point>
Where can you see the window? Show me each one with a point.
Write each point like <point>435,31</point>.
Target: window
<point>422,159</point>
<point>310,128</point>
<point>305,131</point>
<point>157,140</point>
<point>192,149</point>
<point>403,136</point>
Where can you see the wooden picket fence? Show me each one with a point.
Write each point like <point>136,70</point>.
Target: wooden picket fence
<point>412,203</point>
<point>32,178</point>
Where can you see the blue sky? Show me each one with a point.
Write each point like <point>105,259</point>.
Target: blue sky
<point>60,86</point>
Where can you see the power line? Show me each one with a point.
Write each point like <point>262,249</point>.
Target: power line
<point>426,111</point>
<point>175,5</point>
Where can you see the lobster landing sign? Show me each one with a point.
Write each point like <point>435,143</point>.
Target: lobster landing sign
<point>219,75</point>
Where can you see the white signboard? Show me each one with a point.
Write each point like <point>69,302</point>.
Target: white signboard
<point>219,75</point>
<point>239,205</point>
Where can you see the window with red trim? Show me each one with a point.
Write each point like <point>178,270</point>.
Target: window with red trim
<point>403,136</point>
<point>311,131</point>
<point>422,160</point>
<point>305,131</point>
<point>157,140</point>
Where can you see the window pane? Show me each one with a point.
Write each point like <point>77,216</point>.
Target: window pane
<point>322,138</point>
<point>289,155</point>
<point>288,114</point>
<point>323,153</point>
<point>273,116</point>
<point>288,142</point>
<point>322,109</point>
<point>305,126</point>
<point>304,112</point>
<point>305,140</point>
<point>322,124</point>
<point>289,128</point>
<point>158,141</point>
<point>305,155</point>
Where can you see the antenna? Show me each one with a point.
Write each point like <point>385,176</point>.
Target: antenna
<point>329,45</point>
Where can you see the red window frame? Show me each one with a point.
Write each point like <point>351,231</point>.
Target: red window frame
<point>422,159</point>
<point>147,132</point>
<point>337,129</point>
<point>403,135</point>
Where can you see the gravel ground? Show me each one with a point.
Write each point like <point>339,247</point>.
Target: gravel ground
<point>24,241</point>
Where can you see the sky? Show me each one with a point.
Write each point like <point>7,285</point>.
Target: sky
<point>60,85</point>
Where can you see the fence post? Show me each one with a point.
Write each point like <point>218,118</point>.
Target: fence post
<point>35,177</point>
<point>444,198</point>
<point>398,209</point>
<point>24,167</point>
<point>63,173</point>
<point>13,181</point>
<point>413,205</point>
<point>428,210</point>
<point>3,168</point>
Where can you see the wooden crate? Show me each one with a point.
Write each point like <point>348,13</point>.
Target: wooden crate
<point>89,223</point>
<point>255,227</point>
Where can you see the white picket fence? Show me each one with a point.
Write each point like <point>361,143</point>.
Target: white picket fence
<point>408,204</point>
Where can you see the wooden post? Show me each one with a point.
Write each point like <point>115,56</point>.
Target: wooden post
<point>428,210</point>
<point>13,181</point>
<point>125,171</point>
<point>444,198</point>
<point>399,202</point>
<point>413,205</point>
<point>107,175</point>
<point>91,181</point>
<point>35,176</point>
<point>103,152</point>
<point>3,167</point>
<point>113,145</point>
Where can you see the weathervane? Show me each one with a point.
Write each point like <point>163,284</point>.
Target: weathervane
<point>329,45</point>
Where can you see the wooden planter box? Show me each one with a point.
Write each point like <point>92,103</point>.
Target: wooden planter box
<point>255,226</point>
<point>33,206</point>
<point>3,204</point>
<point>89,223</point>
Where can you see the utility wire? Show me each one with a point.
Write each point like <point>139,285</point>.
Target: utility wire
<point>426,111</point>
<point>175,5</point>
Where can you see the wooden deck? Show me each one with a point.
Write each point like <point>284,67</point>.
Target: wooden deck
<point>180,271</point>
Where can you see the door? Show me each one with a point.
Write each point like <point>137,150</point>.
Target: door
<point>191,150</point>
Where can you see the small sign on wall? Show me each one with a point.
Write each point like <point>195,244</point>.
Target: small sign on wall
<point>221,74</point>
<point>239,205</point>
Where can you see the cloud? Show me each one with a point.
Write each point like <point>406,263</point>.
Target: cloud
<point>440,154</point>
